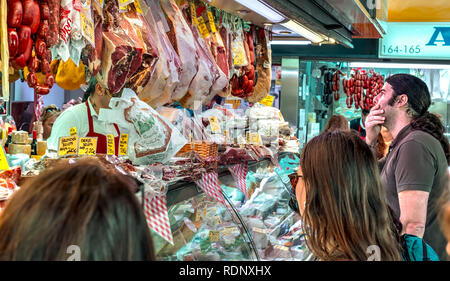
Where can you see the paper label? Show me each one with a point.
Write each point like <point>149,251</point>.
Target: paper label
<point>247,137</point>
<point>124,3</point>
<point>255,138</point>
<point>111,145</point>
<point>215,125</point>
<point>202,27</point>
<point>87,29</point>
<point>259,230</point>
<point>73,131</point>
<point>268,100</point>
<point>68,145</point>
<point>137,5</point>
<point>123,144</point>
<point>214,236</point>
<point>87,146</point>
<point>211,22</point>
<point>230,230</point>
<point>193,14</point>
<point>3,161</point>
<point>235,102</point>
<point>281,247</point>
<point>226,133</point>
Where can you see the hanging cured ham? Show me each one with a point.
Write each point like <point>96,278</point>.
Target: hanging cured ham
<point>183,41</point>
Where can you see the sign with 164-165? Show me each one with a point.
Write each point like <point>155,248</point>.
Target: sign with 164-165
<point>411,40</point>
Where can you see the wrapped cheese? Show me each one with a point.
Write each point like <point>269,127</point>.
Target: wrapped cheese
<point>14,148</point>
<point>19,137</point>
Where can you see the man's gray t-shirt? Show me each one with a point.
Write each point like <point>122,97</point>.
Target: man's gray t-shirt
<point>416,161</point>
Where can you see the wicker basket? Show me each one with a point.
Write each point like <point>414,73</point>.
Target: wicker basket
<point>205,149</point>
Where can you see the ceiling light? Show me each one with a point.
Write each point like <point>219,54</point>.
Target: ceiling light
<point>290,42</point>
<point>303,31</point>
<point>398,65</point>
<point>285,32</point>
<point>243,12</point>
<point>268,24</point>
<point>262,9</point>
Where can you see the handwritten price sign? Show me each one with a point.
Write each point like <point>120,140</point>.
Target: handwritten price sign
<point>87,146</point>
<point>68,145</point>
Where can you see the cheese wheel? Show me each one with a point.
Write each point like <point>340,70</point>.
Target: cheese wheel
<point>19,137</point>
<point>41,147</point>
<point>14,148</point>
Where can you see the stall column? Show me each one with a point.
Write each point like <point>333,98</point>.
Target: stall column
<point>289,89</point>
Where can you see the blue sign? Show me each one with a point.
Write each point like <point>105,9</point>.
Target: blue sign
<point>416,40</point>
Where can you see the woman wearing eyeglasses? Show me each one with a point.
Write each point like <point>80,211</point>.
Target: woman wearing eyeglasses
<point>46,121</point>
<point>342,202</point>
<point>84,118</point>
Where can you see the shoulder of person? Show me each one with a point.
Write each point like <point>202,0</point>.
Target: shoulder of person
<point>423,138</point>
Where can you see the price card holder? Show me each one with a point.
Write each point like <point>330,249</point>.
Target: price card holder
<point>211,22</point>
<point>124,3</point>
<point>137,5</point>
<point>235,102</point>
<point>68,145</point>
<point>87,146</point>
<point>73,131</point>
<point>111,145</point>
<point>87,29</point>
<point>3,161</point>
<point>123,145</point>
<point>193,14</point>
<point>214,236</point>
<point>215,125</point>
<point>202,27</point>
<point>268,100</point>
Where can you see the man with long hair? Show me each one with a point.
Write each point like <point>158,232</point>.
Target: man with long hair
<point>414,171</point>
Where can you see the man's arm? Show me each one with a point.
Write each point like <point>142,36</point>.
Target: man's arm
<point>413,211</point>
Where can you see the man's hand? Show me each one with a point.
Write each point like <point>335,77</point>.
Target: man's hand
<point>373,124</point>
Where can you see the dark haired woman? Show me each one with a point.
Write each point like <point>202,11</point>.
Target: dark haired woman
<point>342,203</point>
<point>337,122</point>
<point>75,212</point>
<point>414,172</point>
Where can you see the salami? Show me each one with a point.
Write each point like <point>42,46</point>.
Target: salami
<point>53,22</point>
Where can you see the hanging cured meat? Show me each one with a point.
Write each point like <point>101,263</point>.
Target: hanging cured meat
<point>182,40</point>
<point>263,67</point>
<point>124,52</point>
<point>165,78</point>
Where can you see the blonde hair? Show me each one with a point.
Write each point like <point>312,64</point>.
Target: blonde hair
<point>49,112</point>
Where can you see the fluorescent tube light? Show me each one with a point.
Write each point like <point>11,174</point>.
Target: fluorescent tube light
<point>262,9</point>
<point>303,31</point>
<point>397,65</point>
<point>290,42</point>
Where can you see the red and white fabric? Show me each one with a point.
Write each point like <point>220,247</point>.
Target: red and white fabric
<point>239,172</point>
<point>158,217</point>
<point>209,183</point>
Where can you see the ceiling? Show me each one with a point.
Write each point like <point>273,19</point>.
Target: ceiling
<point>341,20</point>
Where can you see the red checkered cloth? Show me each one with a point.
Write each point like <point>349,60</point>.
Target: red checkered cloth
<point>158,217</point>
<point>239,172</point>
<point>209,183</point>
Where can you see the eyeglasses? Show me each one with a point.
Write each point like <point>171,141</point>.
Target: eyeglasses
<point>51,109</point>
<point>293,178</point>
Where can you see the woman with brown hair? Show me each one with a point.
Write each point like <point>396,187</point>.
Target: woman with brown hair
<point>337,122</point>
<point>75,206</point>
<point>342,201</point>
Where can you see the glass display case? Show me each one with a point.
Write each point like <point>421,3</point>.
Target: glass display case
<point>263,227</point>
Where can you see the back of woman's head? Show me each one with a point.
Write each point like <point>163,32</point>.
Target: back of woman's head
<point>337,122</point>
<point>80,204</point>
<point>345,209</point>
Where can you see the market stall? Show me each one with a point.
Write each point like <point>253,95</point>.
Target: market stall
<point>189,86</point>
